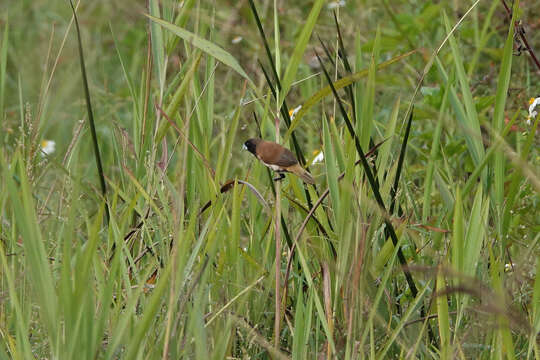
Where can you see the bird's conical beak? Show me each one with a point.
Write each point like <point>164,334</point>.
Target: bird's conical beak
<point>244,147</point>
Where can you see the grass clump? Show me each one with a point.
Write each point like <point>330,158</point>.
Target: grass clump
<point>418,240</point>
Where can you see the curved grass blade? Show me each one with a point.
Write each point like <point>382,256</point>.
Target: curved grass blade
<point>206,46</point>
<point>301,207</point>
<point>91,115</point>
<point>229,184</point>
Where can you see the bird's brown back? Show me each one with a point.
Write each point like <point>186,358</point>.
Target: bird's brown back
<point>275,154</point>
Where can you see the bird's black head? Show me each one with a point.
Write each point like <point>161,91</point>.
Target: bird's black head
<point>251,145</point>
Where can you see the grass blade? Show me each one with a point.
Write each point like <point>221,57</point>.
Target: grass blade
<point>265,42</point>
<point>206,46</point>
<point>535,301</point>
<point>344,57</point>
<point>396,330</point>
<point>365,126</point>
<point>35,254</point>
<point>3,63</point>
<point>158,49</point>
<point>426,207</point>
<point>442,317</point>
<point>384,154</point>
<point>301,43</point>
<point>472,125</point>
<point>331,168</point>
<point>91,115</point>
<point>394,190</point>
<point>498,120</point>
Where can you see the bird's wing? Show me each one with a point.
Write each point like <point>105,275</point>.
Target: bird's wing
<point>286,158</point>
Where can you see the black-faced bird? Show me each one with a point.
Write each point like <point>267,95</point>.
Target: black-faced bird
<point>277,158</point>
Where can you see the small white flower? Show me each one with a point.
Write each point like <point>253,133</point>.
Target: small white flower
<point>335,4</point>
<point>533,102</point>
<point>509,267</point>
<point>236,39</point>
<point>48,147</point>
<point>319,158</point>
<point>293,112</point>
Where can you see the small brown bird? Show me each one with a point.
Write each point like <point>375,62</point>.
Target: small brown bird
<point>277,158</point>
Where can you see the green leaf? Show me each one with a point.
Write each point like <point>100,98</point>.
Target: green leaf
<point>457,233</point>
<point>331,168</point>
<point>204,45</point>
<point>384,152</point>
<point>3,62</point>
<point>39,271</point>
<point>299,328</point>
<point>298,53</point>
<point>426,208</point>
<point>472,125</point>
<point>365,126</point>
<point>158,50</point>
<point>442,317</point>
<point>498,119</point>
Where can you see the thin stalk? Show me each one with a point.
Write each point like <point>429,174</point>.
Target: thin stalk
<point>91,116</point>
<point>277,223</point>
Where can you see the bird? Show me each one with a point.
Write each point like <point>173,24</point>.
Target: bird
<point>277,158</point>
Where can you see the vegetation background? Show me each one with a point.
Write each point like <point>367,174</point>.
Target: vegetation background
<point>428,247</point>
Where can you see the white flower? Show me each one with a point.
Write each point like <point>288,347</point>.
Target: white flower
<point>335,4</point>
<point>533,102</point>
<point>319,158</point>
<point>236,39</point>
<point>48,147</point>
<point>293,112</point>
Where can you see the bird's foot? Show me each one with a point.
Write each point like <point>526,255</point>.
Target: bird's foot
<point>280,177</point>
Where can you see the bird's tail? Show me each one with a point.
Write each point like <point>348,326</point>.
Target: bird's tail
<point>302,173</point>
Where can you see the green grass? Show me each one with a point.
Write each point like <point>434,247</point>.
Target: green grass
<point>427,246</point>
